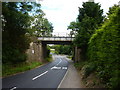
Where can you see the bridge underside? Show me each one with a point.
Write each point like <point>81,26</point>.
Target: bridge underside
<point>44,46</point>
<point>57,42</point>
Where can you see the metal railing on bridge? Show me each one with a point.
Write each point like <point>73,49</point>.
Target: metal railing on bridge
<point>61,34</point>
<point>57,36</point>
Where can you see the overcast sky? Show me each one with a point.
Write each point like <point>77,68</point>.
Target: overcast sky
<point>62,12</point>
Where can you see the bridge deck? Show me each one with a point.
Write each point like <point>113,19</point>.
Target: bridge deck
<point>56,38</point>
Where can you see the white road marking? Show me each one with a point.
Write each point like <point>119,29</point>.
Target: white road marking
<point>55,67</point>
<point>40,75</point>
<point>59,62</point>
<point>13,88</point>
<point>64,67</point>
<point>63,79</point>
<point>58,68</point>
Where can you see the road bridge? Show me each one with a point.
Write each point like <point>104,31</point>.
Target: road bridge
<point>61,40</point>
<point>54,39</point>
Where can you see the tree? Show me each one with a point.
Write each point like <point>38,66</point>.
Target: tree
<point>42,27</point>
<point>63,49</point>
<point>17,18</point>
<point>104,49</point>
<point>74,26</point>
<point>89,19</point>
<point>16,24</point>
<point>112,10</point>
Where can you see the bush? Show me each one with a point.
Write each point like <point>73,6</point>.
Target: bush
<point>115,80</point>
<point>63,49</point>
<point>104,49</point>
<point>48,52</point>
<point>87,69</point>
<point>12,55</point>
<point>10,69</point>
<point>79,65</point>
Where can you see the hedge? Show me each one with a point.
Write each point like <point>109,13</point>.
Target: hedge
<point>104,50</point>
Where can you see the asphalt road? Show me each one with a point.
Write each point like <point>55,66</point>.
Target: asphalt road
<point>46,76</point>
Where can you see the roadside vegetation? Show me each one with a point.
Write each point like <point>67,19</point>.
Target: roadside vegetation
<point>49,56</point>
<point>21,23</point>
<point>98,37</point>
<point>10,69</point>
<point>62,49</point>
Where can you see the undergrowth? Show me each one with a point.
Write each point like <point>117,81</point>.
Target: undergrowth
<point>10,69</point>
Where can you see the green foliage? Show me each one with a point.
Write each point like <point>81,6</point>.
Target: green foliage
<point>104,49</point>
<point>42,27</point>
<point>49,56</point>
<point>115,80</point>
<point>79,65</point>
<point>13,56</point>
<point>56,52</point>
<point>70,57</point>
<point>10,69</point>
<point>49,59</point>
<point>91,9</point>
<point>74,26</point>
<point>90,17</point>
<point>112,10</point>
<point>48,51</point>
<point>14,38</point>
<point>21,21</point>
<point>62,49</point>
<point>88,69</point>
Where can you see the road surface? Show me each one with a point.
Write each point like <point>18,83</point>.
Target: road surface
<point>46,76</point>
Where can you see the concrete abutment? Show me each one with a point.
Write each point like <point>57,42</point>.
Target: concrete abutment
<point>36,52</point>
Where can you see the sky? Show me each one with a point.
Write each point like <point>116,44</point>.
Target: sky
<point>61,12</point>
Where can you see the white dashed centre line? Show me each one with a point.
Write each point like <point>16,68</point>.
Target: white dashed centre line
<point>59,62</point>
<point>13,88</point>
<point>54,67</point>
<point>40,75</point>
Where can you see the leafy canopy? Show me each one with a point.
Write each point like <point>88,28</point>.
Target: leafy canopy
<point>104,49</point>
<point>18,28</point>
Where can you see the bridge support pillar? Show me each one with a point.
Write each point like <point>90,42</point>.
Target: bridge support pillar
<point>77,54</point>
<point>43,51</point>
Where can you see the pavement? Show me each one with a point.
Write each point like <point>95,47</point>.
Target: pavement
<point>72,78</point>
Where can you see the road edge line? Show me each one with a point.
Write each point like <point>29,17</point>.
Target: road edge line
<point>63,79</point>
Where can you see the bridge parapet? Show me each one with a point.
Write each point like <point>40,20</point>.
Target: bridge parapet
<point>56,38</point>
<point>61,34</point>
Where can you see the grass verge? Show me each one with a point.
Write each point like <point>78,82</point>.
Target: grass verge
<point>49,59</point>
<point>69,56</point>
<point>9,69</point>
